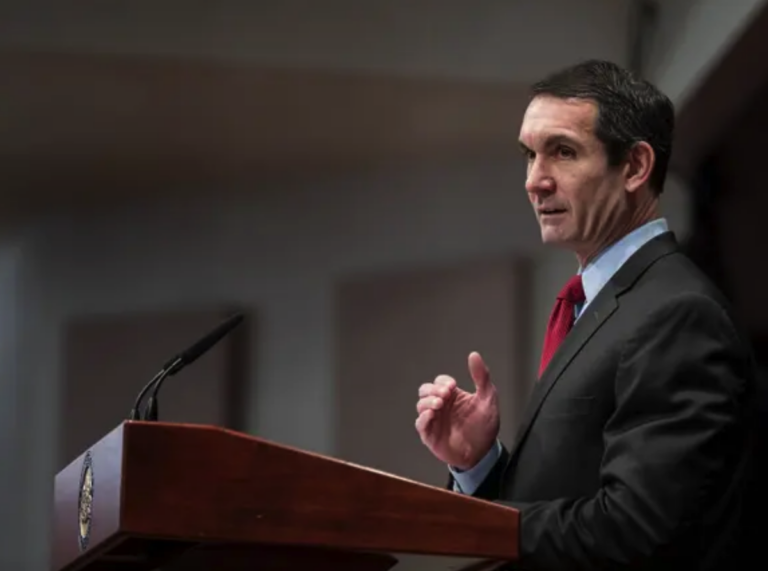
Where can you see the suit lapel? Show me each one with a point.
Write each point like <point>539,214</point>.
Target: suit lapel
<point>595,315</point>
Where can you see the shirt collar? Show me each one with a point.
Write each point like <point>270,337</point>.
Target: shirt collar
<point>597,273</point>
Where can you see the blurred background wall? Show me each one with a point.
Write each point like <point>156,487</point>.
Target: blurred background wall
<point>345,173</point>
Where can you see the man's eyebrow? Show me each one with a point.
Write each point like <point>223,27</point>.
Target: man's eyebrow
<point>552,141</point>
<point>561,139</point>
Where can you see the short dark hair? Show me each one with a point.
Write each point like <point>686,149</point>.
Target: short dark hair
<point>630,110</point>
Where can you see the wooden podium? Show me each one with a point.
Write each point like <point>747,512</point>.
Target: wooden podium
<point>181,497</point>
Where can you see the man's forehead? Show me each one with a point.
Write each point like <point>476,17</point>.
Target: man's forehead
<point>549,117</point>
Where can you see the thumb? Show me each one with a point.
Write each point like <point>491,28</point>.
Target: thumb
<point>480,374</point>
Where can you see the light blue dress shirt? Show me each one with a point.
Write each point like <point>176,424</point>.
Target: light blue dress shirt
<point>594,277</point>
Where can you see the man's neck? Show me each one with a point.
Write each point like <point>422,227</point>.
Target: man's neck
<point>640,218</point>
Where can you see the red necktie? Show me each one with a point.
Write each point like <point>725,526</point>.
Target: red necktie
<point>562,318</point>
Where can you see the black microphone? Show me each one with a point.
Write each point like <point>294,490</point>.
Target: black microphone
<point>177,363</point>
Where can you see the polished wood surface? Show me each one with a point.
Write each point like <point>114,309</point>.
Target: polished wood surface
<point>201,497</point>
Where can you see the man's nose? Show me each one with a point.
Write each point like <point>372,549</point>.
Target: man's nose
<point>539,181</point>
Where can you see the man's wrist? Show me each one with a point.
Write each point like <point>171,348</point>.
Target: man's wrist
<point>468,480</point>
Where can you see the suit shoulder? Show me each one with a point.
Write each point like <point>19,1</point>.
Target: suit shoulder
<point>676,279</point>
<point>674,291</point>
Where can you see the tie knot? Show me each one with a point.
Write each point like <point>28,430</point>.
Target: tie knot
<point>573,291</point>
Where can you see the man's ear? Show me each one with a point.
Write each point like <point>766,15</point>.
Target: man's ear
<point>640,161</point>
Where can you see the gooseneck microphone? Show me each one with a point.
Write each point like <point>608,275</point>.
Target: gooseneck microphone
<point>177,363</point>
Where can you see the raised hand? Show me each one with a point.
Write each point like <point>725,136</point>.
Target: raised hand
<point>459,427</point>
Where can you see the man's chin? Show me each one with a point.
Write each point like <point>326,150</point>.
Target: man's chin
<point>551,236</point>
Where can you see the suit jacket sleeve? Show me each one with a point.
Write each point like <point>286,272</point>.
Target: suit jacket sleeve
<point>680,392</point>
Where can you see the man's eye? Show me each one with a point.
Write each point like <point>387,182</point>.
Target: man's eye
<point>565,153</point>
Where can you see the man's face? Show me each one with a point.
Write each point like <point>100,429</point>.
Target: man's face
<point>577,198</point>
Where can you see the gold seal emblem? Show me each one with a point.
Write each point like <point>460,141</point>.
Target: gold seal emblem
<point>85,502</point>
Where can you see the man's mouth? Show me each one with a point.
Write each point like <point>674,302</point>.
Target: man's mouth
<point>551,211</point>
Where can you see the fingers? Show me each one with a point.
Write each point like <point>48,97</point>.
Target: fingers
<point>426,390</point>
<point>423,423</point>
<point>427,427</point>
<point>479,372</point>
<point>441,387</point>
<point>433,396</point>
<point>429,403</point>
<point>445,381</point>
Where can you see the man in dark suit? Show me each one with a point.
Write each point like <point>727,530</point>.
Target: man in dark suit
<point>634,449</point>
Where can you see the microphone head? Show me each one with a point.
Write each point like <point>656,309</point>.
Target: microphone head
<point>208,341</point>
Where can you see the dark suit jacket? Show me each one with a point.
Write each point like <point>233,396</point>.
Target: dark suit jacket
<point>634,449</point>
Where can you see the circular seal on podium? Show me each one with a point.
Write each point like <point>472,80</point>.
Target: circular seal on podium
<point>85,502</point>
